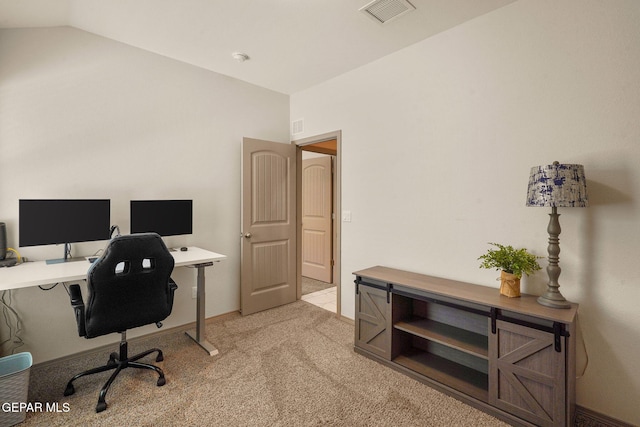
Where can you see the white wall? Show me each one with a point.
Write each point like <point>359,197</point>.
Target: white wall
<point>82,116</point>
<point>437,143</point>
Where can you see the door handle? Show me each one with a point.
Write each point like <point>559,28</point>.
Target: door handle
<point>247,235</point>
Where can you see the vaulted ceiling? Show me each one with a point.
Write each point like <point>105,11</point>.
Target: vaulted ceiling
<point>291,44</point>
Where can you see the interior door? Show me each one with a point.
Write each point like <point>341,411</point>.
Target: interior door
<point>268,252</point>
<point>316,218</point>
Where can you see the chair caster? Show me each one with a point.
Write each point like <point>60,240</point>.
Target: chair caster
<point>161,381</point>
<point>101,406</point>
<point>69,390</point>
<point>160,358</point>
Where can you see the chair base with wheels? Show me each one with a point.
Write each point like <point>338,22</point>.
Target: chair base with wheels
<point>119,362</point>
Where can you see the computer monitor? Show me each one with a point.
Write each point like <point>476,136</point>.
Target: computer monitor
<point>57,221</point>
<point>165,217</point>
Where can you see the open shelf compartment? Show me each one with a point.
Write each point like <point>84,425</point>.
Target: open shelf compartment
<point>460,339</point>
<point>447,372</point>
<point>445,342</point>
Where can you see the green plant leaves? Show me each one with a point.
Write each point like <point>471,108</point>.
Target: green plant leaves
<point>509,259</point>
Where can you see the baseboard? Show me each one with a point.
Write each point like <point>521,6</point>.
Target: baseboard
<point>346,320</point>
<point>588,418</point>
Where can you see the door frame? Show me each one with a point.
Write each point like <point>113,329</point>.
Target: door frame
<point>337,207</point>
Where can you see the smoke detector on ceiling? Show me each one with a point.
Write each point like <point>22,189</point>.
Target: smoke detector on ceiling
<point>383,11</point>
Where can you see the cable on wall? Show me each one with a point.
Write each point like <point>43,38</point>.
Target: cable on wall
<point>13,322</point>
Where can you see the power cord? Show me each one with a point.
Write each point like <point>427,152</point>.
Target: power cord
<point>112,229</point>
<point>13,322</point>
<point>16,253</point>
<point>49,288</point>
<point>11,317</point>
<point>584,348</point>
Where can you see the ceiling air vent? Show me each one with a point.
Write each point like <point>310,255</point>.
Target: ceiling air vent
<point>383,11</point>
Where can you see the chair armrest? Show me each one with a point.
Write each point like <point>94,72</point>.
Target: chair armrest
<point>172,289</point>
<point>172,285</point>
<point>75,293</point>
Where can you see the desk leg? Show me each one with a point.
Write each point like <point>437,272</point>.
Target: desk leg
<point>197,334</point>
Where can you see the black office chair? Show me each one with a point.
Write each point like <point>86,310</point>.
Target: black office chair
<point>129,286</point>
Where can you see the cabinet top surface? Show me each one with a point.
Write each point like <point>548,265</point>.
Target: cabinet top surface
<point>484,295</point>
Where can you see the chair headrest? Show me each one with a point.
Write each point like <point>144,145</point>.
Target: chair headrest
<point>135,248</point>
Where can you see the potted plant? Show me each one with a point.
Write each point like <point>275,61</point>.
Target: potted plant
<point>513,263</point>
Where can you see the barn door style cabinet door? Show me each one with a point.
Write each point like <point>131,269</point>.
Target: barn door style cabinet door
<point>510,357</point>
<point>373,308</point>
<point>528,371</point>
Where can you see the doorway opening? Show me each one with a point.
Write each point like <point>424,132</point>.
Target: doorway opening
<point>318,228</point>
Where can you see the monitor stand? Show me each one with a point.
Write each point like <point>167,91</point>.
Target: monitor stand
<point>66,258</point>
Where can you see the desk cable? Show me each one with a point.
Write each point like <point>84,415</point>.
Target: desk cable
<point>584,348</point>
<point>16,253</point>
<point>13,322</point>
<point>10,315</point>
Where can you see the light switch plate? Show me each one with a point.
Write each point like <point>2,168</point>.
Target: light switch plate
<point>346,216</point>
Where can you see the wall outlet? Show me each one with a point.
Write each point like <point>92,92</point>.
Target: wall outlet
<point>194,292</point>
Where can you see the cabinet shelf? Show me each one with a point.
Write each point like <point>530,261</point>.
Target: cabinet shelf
<point>444,371</point>
<point>450,336</point>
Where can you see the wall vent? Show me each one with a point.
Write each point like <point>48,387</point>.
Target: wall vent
<point>297,126</point>
<point>383,11</point>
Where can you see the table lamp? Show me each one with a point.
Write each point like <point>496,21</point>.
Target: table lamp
<point>558,186</point>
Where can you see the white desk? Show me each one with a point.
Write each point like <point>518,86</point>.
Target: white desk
<point>40,273</point>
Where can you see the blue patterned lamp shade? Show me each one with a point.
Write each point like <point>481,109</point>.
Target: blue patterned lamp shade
<point>557,185</point>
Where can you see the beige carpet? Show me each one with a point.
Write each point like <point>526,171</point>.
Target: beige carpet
<point>290,366</point>
<point>310,286</point>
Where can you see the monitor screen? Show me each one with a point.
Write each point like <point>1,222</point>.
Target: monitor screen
<point>165,217</point>
<point>48,221</point>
